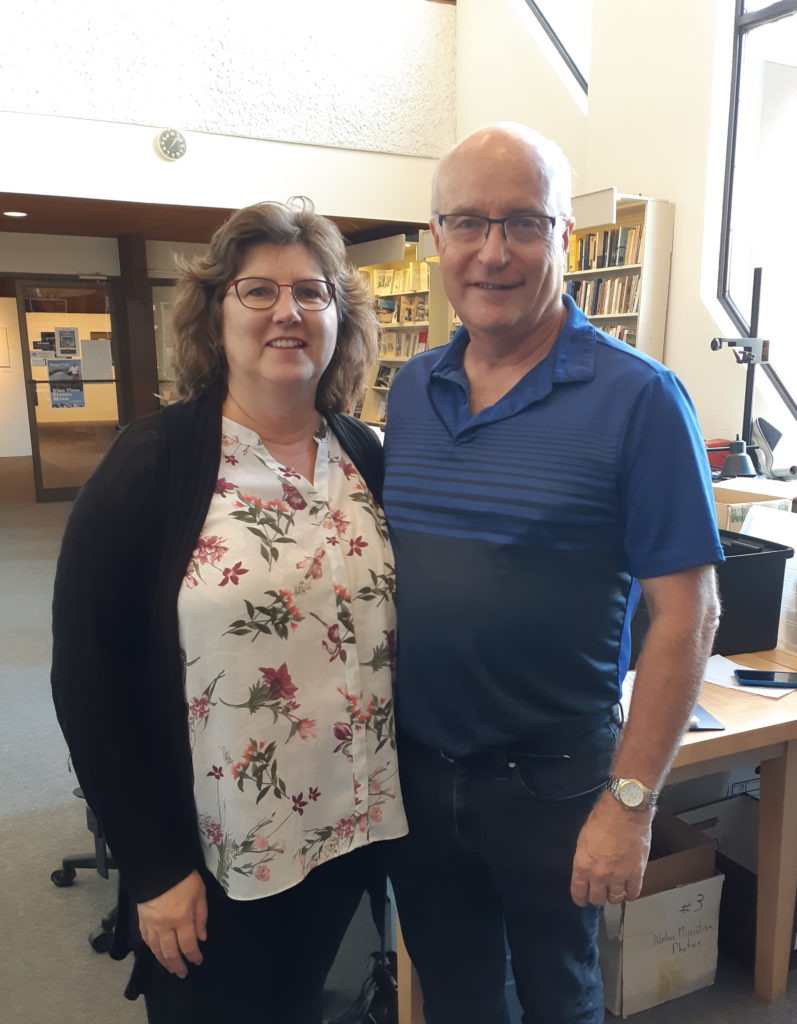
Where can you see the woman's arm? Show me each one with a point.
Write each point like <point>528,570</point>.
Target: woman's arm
<point>102,673</point>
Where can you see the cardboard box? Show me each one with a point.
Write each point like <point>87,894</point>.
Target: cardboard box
<point>733,502</point>
<point>732,824</point>
<point>664,944</point>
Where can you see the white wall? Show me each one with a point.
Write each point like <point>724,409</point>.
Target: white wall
<point>14,429</point>
<point>508,70</point>
<point>346,102</point>
<point>72,157</point>
<point>659,101</point>
<point>654,123</point>
<point>373,75</point>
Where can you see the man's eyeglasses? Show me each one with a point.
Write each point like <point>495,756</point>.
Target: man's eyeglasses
<point>262,293</point>
<point>465,229</point>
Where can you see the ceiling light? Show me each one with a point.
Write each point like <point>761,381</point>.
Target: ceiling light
<point>14,213</point>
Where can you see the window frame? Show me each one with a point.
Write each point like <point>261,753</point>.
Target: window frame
<point>559,45</point>
<point>744,23</point>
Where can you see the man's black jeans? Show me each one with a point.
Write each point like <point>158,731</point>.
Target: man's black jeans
<point>490,847</point>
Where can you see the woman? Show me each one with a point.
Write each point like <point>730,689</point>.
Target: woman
<point>223,634</point>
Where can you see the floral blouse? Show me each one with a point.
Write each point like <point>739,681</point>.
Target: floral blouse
<point>287,633</point>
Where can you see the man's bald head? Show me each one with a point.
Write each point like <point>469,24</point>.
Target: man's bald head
<point>489,145</point>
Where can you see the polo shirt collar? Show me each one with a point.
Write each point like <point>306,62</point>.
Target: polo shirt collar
<point>571,359</point>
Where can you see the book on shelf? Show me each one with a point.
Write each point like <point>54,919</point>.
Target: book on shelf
<point>407,305</point>
<point>421,308</point>
<point>367,280</point>
<point>606,251</point>
<point>383,282</point>
<point>404,344</point>
<point>381,412</point>
<point>386,309</point>
<point>421,341</point>
<point>387,345</point>
<point>639,244</point>
<point>384,375</point>
<point>621,247</point>
<point>398,282</point>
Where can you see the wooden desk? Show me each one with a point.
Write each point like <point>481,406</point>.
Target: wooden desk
<point>757,729</point>
<point>765,730</point>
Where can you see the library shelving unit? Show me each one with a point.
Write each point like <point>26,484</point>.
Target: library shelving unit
<point>414,314</point>
<point>619,266</point>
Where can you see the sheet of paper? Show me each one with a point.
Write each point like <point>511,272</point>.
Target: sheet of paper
<point>719,670</point>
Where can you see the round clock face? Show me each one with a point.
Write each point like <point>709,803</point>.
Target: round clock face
<point>171,144</point>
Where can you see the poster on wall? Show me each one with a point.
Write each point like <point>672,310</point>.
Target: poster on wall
<point>66,384</point>
<point>67,340</point>
<point>46,341</point>
<point>97,361</point>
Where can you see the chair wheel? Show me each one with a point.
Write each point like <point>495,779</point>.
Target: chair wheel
<point>100,940</point>
<point>63,877</point>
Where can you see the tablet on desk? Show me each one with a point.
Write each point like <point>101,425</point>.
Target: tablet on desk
<point>702,720</point>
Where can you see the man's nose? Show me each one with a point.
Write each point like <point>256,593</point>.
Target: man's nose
<point>495,248</point>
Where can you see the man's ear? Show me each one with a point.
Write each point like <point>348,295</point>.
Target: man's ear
<point>567,233</point>
<point>435,229</point>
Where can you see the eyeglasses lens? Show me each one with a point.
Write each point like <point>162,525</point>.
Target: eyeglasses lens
<point>261,293</point>
<point>522,230</point>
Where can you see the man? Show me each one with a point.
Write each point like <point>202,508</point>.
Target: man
<point>534,469</point>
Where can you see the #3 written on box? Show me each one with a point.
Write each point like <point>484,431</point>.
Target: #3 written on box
<point>664,944</point>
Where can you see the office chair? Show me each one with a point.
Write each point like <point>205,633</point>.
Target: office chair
<point>101,861</point>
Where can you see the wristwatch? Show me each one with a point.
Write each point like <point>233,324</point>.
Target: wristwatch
<point>632,794</point>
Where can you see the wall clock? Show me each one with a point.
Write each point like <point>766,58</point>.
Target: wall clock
<point>170,144</point>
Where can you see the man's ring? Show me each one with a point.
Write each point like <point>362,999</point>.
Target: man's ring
<point>616,897</point>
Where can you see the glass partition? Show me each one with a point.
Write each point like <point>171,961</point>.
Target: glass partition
<point>67,342</point>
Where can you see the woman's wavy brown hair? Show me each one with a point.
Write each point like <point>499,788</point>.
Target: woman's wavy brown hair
<point>200,364</point>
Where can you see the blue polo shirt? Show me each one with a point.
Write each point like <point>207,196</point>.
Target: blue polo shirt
<point>519,532</point>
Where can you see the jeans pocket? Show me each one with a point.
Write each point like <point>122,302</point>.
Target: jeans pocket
<point>580,769</point>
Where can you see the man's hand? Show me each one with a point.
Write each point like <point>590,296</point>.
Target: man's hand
<point>611,854</point>
<point>174,923</point>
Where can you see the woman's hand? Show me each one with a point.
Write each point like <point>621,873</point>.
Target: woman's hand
<point>174,923</point>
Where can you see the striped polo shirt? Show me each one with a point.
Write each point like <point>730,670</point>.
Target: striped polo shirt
<point>519,532</point>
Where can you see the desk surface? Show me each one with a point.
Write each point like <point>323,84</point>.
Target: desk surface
<point>749,721</point>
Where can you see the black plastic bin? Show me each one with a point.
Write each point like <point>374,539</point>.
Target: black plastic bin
<point>751,587</point>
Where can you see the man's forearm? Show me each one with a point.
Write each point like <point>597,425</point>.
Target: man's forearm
<point>668,680</point>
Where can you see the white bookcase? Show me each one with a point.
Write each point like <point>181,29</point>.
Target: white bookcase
<point>619,268</point>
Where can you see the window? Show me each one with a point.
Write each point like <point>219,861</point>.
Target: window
<point>568,24</point>
<point>759,225</point>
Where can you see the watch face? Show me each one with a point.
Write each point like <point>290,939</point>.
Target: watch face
<point>632,794</point>
<point>171,144</point>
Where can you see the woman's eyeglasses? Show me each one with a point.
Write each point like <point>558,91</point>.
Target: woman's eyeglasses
<point>262,293</point>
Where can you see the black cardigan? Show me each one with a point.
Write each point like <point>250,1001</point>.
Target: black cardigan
<point>116,676</point>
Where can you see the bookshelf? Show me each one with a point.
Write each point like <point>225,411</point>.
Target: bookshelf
<point>619,265</point>
<point>414,313</point>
